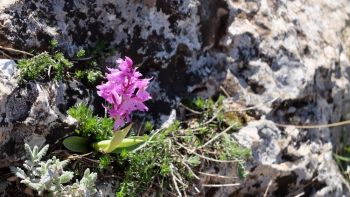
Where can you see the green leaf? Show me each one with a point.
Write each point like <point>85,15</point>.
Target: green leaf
<point>81,53</point>
<point>241,171</point>
<point>117,139</point>
<point>128,144</point>
<point>66,177</point>
<point>346,159</point>
<point>127,149</point>
<point>347,149</point>
<point>77,144</point>
<point>53,43</point>
<point>194,160</point>
<point>200,103</point>
<point>148,126</point>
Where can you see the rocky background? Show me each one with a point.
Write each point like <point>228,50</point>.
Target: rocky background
<point>289,60</point>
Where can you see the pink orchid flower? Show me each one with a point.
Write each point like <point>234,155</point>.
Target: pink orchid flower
<point>125,91</point>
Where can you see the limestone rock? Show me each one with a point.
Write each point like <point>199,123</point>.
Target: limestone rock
<point>290,65</point>
<point>32,112</point>
<point>173,41</point>
<point>291,160</point>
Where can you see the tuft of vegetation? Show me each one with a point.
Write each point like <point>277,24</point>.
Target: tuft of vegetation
<point>44,66</point>
<point>171,159</point>
<point>105,161</point>
<point>342,155</point>
<point>81,53</point>
<point>49,177</point>
<point>54,65</point>
<point>343,161</point>
<point>96,128</point>
<point>53,43</point>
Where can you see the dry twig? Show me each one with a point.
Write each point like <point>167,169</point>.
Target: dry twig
<point>5,54</point>
<point>204,157</point>
<point>174,181</point>
<point>189,169</point>
<point>189,109</point>
<point>346,122</point>
<point>213,118</point>
<point>16,51</point>
<point>224,91</point>
<point>253,107</point>
<point>218,176</point>
<point>146,143</point>
<point>75,156</point>
<point>218,135</point>
<point>222,185</point>
<point>268,188</point>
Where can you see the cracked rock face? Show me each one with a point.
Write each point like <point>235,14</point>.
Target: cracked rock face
<point>290,161</point>
<point>287,59</point>
<point>34,113</point>
<point>174,41</point>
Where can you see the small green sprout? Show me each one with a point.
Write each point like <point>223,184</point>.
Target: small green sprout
<point>81,53</point>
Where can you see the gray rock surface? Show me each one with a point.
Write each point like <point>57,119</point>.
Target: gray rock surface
<point>34,113</point>
<point>291,161</point>
<point>289,59</point>
<point>288,56</point>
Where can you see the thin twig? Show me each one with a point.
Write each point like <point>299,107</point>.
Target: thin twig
<point>178,178</point>
<point>75,156</point>
<point>301,194</point>
<point>139,130</point>
<point>16,51</point>
<point>82,59</point>
<point>218,135</point>
<point>253,107</point>
<point>91,160</point>
<point>268,188</point>
<point>213,118</point>
<point>189,169</point>
<point>224,91</point>
<point>5,54</point>
<point>341,123</point>
<point>83,156</point>
<point>174,181</point>
<point>197,190</point>
<point>189,109</point>
<point>222,185</point>
<point>218,176</point>
<point>146,143</point>
<point>204,157</point>
<point>302,188</point>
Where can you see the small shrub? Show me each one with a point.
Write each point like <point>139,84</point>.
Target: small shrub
<point>44,66</point>
<point>91,126</point>
<point>175,154</point>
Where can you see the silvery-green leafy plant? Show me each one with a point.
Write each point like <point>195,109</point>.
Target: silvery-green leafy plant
<point>48,177</point>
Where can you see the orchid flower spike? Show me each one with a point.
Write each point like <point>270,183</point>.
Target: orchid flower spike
<point>125,91</point>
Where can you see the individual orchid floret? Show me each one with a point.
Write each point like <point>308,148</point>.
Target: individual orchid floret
<point>125,91</point>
